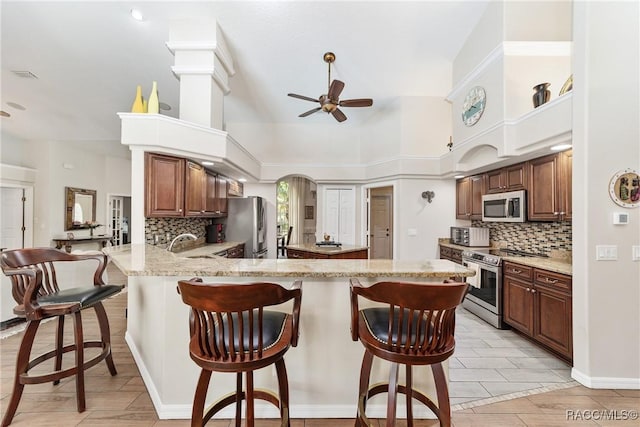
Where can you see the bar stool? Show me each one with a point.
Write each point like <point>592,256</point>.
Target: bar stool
<point>35,290</point>
<point>232,332</point>
<point>416,328</point>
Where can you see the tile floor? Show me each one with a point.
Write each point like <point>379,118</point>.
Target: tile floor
<point>497,379</point>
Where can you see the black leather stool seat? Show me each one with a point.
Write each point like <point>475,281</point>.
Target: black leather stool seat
<point>85,297</point>
<point>272,327</point>
<point>377,321</point>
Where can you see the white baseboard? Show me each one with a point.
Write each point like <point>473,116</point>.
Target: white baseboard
<point>605,382</point>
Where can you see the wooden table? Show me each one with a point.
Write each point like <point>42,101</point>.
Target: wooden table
<point>68,243</point>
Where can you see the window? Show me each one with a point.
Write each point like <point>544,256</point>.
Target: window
<point>282,207</point>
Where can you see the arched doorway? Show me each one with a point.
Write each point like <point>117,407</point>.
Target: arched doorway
<point>296,206</point>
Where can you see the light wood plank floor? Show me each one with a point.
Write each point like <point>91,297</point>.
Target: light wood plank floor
<point>123,400</point>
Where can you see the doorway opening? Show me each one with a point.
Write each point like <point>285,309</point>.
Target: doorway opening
<point>296,205</point>
<point>380,222</point>
<point>119,216</point>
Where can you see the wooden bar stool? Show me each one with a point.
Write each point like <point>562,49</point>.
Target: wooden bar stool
<point>35,290</point>
<point>232,332</point>
<point>415,328</point>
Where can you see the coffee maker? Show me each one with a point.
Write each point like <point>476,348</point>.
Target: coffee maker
<point>215,233</point>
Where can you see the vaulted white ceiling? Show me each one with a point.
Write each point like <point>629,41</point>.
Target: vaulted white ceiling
<point>89,56</point>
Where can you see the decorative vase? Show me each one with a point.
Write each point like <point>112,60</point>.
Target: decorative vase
<point>154,104</point>
<point>145,106</point>
<point>541,95</point>
<point>137,106</point>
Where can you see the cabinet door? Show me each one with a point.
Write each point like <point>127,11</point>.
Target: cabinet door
<point>211,200</point>
<point>543,195</point>
<point>476,190</point>
<point>553,320</point>
<point>195,190</point>
<point>495,181</point>
<point>515,177</point>
<point>518,304</point>
<point>164,186</point>
<point>463,189</point>
<point>221,194</point>
<point>566,182</point>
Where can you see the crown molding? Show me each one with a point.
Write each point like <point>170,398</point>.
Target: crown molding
<point>218,49</point>
<point>217,76</point>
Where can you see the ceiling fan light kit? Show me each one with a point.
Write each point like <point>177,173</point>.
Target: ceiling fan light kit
<point>330,101</point>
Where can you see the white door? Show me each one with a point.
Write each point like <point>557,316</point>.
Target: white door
<point>12,227</point>
<point>381,227</point>
<point>339,215</point>
<point>116,204</point>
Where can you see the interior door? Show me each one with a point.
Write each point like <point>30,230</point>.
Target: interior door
<point>381,229</point>
<point>11,237</point>
<point>116,204</point>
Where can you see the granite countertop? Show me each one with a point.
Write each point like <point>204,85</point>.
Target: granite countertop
<point>559,264</point>
<point>149,260</point>
<point>208,249</point>
<point>312,247</point>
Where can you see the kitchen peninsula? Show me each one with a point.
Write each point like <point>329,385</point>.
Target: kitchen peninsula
<point>323,369</point>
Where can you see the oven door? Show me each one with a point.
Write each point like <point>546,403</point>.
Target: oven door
<point>486,286</point>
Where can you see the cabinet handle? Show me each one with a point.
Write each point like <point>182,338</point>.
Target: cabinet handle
<point>556,213</point>
<point>528,289</point>
<point>546,279</point>
<point>179,210</point>
<point>514,271</point>
<point>533,291</point>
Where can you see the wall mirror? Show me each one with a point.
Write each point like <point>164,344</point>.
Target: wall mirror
<point>80,210</point>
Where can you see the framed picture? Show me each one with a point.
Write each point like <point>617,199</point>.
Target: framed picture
<point>308,212</point>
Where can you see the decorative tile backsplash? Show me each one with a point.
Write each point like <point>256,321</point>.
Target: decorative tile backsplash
<point>168,228</point>
<point>529,236</point>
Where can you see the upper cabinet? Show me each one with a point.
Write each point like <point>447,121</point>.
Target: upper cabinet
<point>469,193</point>
<point>177,187</point>
<point>510,178</point>
<point>164,186</point>
<point>550,188</point>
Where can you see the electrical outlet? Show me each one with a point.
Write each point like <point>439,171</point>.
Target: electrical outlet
<point>606,252</point>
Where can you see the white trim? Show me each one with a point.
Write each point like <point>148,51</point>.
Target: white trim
<point>215,74</point>
<point>605,382</point>
<point>218,49</point>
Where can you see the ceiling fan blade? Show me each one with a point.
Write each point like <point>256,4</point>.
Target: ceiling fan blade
<point>335,89</point>
<point>308,113</point>
<point>339,115</point>
<point>363,102</point>
<point>306,98</point>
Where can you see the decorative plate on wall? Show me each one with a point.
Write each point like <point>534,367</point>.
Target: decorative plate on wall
<point>624,188</point>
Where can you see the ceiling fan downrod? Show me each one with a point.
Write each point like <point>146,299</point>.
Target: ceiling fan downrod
<point>329,57</point>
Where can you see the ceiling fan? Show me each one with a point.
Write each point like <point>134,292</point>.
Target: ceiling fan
<point>330,102</point>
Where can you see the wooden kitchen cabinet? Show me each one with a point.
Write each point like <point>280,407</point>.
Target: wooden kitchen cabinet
<point>164,185</point>
<point>195,189</point>
<point>236,252</point>
<point>469,193</point>
<point>452,254</point>
<point>510,178</point>
<point>538,303</point>
<point>216,195</point>
<point>549,196</point>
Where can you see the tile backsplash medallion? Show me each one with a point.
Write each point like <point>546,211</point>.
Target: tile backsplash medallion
<point>172,227</point>
<point>529,236</point>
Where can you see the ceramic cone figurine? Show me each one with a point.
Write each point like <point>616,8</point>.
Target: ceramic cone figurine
<point>154,104</point>
<point>137,106</point>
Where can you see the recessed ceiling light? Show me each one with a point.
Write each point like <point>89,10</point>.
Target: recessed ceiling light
<point>561,147</point>
<point>165,107</point>
<point>16,106</point>
<point>458,176</point>
<point>4,114</point>
<point>207,163</point>
<point>137,15</point>
<point>242,179</point>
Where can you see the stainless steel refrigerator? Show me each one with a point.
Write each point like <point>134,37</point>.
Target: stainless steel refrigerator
<point>247,222</point>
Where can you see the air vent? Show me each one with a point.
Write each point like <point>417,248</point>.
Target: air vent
<point>24,74</point>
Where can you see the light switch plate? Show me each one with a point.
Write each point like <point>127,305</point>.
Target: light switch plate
<point>606,252</point>
<point>635,253</point>
<point>412,232</point>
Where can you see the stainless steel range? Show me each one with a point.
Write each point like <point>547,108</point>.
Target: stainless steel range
<point>485,297</point>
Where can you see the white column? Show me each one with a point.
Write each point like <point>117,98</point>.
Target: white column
<point>203,66</point>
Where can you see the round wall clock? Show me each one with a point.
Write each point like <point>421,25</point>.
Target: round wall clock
<point>473,106</point>
<point>624,188</point>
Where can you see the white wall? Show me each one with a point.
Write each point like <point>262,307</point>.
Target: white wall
<point>537,20</point>
<point>606,294</point>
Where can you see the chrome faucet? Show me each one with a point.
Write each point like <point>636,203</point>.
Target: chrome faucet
<point>180,236</point>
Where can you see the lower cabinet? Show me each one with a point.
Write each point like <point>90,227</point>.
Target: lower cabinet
<point>452,254</point>
<point>236,252</point>
<point>538,303</point>
<point>297,253</point>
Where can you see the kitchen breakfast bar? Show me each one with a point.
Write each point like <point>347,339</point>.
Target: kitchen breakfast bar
<point>323,369</point>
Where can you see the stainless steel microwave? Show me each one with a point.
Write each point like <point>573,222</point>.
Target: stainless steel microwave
<point>505,207</point>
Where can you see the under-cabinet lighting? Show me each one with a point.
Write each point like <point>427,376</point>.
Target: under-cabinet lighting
<point>137,15</point>
<point>242,179</point>
<point>207,163</point>
<point>561,147</point>
<point>458,176</point>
